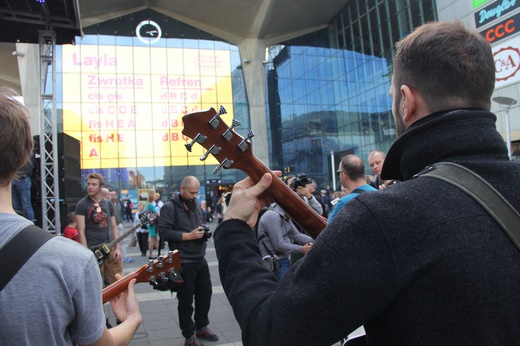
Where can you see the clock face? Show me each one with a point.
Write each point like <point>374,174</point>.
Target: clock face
<point>148,32</point>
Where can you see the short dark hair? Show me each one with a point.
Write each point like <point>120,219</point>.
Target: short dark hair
<point>449,65</point>
<point>353,166</point>
<point>15,136</point>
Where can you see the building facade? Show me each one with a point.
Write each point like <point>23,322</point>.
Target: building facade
<point>125,86</point>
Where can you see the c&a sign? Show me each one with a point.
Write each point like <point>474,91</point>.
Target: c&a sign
<point>507,62</point>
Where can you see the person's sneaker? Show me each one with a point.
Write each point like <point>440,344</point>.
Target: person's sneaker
<point>206,334</point>
<point>128,260</point>
<point>192,341</point>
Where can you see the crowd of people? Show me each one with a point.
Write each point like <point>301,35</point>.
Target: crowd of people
<point>413,259</point>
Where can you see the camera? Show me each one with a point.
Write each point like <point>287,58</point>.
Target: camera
<point>300,180</point>
<point>207,233</point>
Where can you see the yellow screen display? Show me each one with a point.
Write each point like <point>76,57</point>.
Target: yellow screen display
<point>125,104</point>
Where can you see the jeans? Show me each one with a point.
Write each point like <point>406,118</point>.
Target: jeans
<point>21,195</point>
<point>284,266</point>
<point>197,282</point>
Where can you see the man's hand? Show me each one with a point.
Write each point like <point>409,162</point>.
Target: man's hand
<point>306,248</point>
<point>304,191</point>
<point>196,233</point>
<point>125,305</point>
<point>245,201</point>
<point>116,255</point>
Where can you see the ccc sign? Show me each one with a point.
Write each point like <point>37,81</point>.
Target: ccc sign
<point>502,30</point>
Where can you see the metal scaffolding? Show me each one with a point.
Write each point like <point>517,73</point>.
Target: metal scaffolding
<point>49,174</point>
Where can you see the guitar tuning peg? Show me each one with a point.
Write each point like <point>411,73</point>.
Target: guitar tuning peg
<point>214,121</point>
<point>243,144</point>
<point>212,150</point>
<point>228,134</point>
<point>225,163</point>
<point>168,258</point>
<point>198,139</point>
<point>160,263</point>
<point>222,110</point>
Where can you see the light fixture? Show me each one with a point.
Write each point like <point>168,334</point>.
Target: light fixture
<point>18,54</point>
<point>506,103</point>
<point>246,61</point>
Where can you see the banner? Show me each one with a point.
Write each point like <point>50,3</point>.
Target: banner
<point>125,104</point>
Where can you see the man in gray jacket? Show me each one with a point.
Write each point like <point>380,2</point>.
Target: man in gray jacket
<point>279,237</point>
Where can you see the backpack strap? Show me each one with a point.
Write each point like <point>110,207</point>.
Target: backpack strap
<point>18,251</point>
<point>482,192</point>
<point>358,191</point>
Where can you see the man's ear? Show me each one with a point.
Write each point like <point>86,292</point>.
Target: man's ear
<point>409,103</point>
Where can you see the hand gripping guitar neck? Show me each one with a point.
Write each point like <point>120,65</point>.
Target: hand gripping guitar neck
<point>233,151</point>
<point>162,273</point>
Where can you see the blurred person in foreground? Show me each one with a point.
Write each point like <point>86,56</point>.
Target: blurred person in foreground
<point>420,263</point>
<point>55,298</point>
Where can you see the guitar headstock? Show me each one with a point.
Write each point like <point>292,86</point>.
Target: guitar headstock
<point>152,272</point>
<point>160,267</point>
<point>233,151</point>
<point>148,217</point>
<point>208,129</point>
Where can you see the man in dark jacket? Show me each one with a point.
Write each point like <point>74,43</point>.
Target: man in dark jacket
<point>21,190</point>
<point>417,263</point>
<point>181,224</point>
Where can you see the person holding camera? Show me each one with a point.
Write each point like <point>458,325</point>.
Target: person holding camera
<point>279,237</point>
<point>183,226</point>
<point>298,184</point>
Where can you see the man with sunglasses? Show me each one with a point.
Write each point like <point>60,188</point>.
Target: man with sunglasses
<point>351,174</point>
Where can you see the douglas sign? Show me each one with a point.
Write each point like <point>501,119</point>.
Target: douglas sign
<point>494,11</point>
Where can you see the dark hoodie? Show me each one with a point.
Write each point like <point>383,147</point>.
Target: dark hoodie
<point>178,218</point>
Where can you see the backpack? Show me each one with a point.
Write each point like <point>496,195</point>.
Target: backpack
<point>260,213</point>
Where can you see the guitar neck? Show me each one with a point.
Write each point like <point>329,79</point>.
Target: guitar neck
<point>119,286</point>
<point>299,211</point>
<point>233,151</point>
<point>150,272</point>
<point>123,236</point>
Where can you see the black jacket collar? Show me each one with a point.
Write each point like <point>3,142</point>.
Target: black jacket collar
<point>443,136</point>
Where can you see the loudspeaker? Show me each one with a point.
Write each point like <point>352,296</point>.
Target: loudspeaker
<point>69,169</point>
